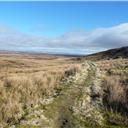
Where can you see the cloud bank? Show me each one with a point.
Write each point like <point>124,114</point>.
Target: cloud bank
<point>77,42</point>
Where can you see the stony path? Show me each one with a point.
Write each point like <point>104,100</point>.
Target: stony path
<point>78,103</point>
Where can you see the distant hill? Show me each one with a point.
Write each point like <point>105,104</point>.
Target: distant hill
<point>110,54</point>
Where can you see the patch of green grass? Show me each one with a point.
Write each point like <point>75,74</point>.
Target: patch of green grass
<point>91,75</point>
<point>27,126</point>
<point>115,120</point>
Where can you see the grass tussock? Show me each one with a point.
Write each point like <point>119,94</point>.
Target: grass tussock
<point>115,96</point>
<point>115,85</point>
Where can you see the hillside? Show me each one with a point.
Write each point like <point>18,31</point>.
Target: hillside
<point>110,54</point>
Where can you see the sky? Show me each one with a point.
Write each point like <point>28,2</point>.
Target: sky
<point>63,27</point>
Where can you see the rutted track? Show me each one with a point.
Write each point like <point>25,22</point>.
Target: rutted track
<point>77,105</point>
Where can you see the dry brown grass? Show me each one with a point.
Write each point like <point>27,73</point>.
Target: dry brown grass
<point>116,94</point>
<point>115,86</point>
<point>26,79</point>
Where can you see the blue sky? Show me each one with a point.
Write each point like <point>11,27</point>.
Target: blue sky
<point>59,17</point>
<point>62,25</point>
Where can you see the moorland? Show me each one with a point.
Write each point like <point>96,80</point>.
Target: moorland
<point>50,91</point>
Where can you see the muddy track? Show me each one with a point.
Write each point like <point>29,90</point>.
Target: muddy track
<point>77,105</point>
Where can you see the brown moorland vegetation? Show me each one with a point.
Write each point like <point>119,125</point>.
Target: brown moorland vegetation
<point>115,86</point>
<point>26,79</point>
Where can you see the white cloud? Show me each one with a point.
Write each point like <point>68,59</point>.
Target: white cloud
<point>77,42</point>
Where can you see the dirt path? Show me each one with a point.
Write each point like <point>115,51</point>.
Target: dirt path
<point>77,105</point>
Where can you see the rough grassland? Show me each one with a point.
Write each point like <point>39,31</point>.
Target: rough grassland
<point>25,80</point>
<point>38,91</point>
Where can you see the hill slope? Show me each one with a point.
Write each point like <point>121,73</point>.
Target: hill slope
<point>110,54</point>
